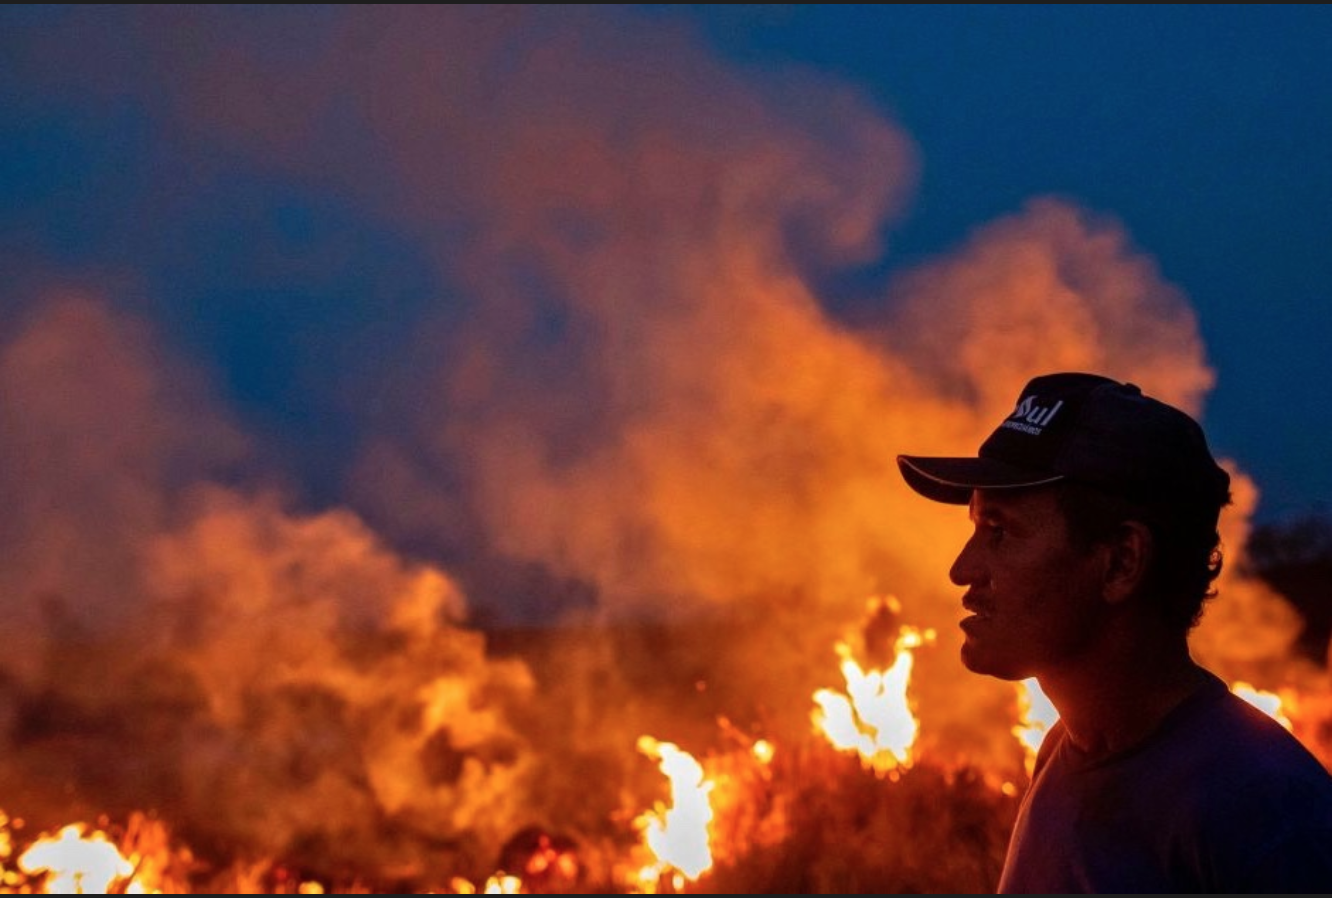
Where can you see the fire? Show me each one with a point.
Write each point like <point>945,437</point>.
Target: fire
<point>1268,702</point>
<point>875,717</point>
<point>499,884</point>
<point>79,859</point>
<point>503,884</point>
<point>136,858</point>
<point>1035,717</point>
<point>76,860</point>
<point>678,835</point>
<point>1037,714</point>
<point>728,816</point>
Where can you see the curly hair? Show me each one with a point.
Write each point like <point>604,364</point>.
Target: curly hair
<point>1187,554</point>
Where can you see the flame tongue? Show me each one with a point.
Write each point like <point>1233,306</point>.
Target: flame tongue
<point>678,835</point>
<point>1270,703</point>
<point>76,864</point>
<point>875,717</point>
<point>1036,715</point>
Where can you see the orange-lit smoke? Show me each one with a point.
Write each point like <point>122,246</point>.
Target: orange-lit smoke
<point>98,436</point>
<point>267,677</point>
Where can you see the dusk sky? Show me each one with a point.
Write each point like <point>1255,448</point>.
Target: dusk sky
<point>484,274</point>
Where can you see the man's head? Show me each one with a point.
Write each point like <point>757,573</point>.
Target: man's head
<point>1116,490</point>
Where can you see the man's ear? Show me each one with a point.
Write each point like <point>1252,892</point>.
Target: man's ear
<point>1128,555</point>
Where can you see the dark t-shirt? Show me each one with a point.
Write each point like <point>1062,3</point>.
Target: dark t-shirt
<point>1221,798</point>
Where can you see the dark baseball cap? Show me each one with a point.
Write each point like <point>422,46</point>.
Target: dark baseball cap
<point>1087,428</point>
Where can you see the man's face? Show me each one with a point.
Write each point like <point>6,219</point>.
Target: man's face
<point>1034,596</point>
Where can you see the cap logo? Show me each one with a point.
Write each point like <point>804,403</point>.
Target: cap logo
<point>1031,418</point>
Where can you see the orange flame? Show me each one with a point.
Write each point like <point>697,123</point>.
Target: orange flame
<point>499,884</point>
<point>504,884</point>
<point>678,835</point>
<point>875,717</point>
<point>1035,717</point>
<point>72,863</point>
<point>1269,703</point>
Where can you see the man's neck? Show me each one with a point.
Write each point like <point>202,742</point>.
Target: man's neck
<point>1111,702</point>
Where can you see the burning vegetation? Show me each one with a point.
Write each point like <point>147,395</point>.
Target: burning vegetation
<point>854,806</point>
<point>816,815</point>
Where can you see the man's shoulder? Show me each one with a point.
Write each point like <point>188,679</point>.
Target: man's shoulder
<point>1226,736</point>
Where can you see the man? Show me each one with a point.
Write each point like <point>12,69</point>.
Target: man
<point>1095,511</point>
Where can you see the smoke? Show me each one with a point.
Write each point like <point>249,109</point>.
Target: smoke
<point>276,681</point>
<point>100,431</point>
<point>1248,630</point>
<point>342,705</point>
<point>1052,288</point>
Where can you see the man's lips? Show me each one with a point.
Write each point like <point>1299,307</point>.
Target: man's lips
<point>978,614</point>
<point>975,606</point>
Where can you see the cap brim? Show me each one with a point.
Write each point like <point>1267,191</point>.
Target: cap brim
<point>951,480</point>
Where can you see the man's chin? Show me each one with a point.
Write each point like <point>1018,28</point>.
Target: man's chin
<point>974,659</point>
<point>978,661</point>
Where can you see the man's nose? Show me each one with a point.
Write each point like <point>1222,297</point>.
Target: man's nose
<point>963,572</point>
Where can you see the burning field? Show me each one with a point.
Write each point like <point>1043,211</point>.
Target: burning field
<point>605,579</point>
<point>511,768</point>
<point>851,804</point>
